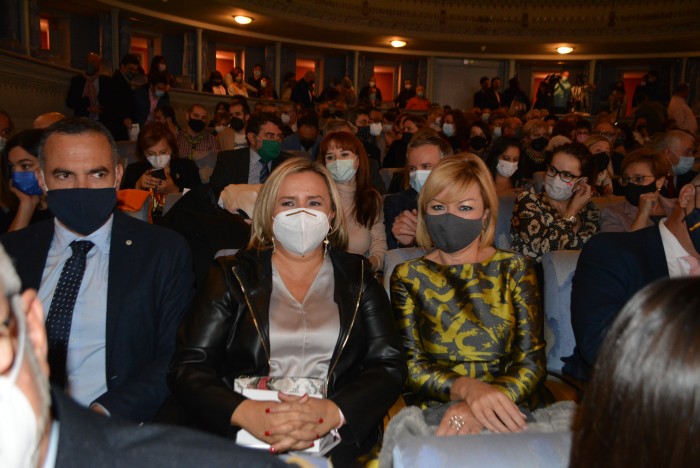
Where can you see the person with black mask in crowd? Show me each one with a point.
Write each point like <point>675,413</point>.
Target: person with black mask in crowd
<point>535,138</point>
<point>359,116</point>
<point>305,142</point>
<point>240,113</point>
<point>195,138</point>
<point>479,138</point>
<point>396,155</point>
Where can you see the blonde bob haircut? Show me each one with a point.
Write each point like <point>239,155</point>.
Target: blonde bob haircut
<point>454,175</point>
<point>531,126</point>
<point>261,233</point>
<point>593,139</point>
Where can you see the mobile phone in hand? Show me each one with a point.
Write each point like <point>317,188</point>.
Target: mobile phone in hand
<point>158,174</point>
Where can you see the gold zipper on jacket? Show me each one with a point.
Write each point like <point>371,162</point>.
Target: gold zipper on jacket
<point>250,308</point>
<point>347,335</point>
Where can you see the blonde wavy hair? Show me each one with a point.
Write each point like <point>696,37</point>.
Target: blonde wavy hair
<point>454,175</point>
<point>261,232</point>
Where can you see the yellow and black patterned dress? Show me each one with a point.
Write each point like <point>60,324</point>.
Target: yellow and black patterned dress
<point>481,320</point>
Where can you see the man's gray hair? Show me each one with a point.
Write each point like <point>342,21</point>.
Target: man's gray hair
<point>76,126</point>
<point>8,275</point>
<point>669,139</point>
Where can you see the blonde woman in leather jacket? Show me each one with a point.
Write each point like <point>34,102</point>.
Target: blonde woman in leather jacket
<point>293,304</point>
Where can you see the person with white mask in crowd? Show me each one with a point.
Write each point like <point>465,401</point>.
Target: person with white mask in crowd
<point>503,164</point>
<point>562,217</point>
<point>425,150</point>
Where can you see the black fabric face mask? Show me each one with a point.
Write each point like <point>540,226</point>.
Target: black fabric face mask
<point>632,192</point>
<point>197,126</point>
<point>601,161</point>
<point>237,124</point>
<point>82,210</point>
<point>539,144</point>
<point>477,143</point>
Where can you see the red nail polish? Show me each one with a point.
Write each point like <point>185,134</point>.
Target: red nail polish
<point>318,436</point>
<point>312,445</point>
<point>273,450</point>
<point>267,433</point>
<point>320,420</point>
<point>267,410</point>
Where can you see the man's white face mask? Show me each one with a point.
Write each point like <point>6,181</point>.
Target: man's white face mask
<point>20,429</point>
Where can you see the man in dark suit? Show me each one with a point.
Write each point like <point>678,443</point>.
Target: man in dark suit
<point>612,267</point>
<point>41,427</point>
<point>481,97</point>
<point>200,215</point>
<point>150,96</point>
<point>303,91</point>
<point>111,347</point>
<point>88,90</point>
<point>117,109</point>
<point>678,147</point>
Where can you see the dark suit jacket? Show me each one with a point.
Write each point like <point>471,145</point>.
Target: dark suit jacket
<point>232,168</point>
<point>301,94</point>
<point>612,267</point>
<point>75,99</point>
<point>394,205</point>
<point>142,104</point>
<point>151,285</point>
<point>88,439</point>
<point>118,106</point>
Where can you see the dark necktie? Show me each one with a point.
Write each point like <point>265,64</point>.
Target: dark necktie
<point>58,321</point>
<point>264,172</point>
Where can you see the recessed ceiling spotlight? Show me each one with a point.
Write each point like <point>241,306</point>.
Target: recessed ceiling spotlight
<point>398,43</point>
<point>240,19</point>
<point>565,50</point>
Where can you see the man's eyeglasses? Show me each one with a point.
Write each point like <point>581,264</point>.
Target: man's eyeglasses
<point>636,180</point>
<point>565,176</point>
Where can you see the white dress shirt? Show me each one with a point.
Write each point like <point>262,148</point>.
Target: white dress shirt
<point>86,361</point>
<point>676,255</point>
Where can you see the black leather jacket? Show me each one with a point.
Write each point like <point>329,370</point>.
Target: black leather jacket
<point>226,335</point>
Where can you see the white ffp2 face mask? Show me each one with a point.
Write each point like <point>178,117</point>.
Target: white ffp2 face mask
<point>375,129</point>
<point>300,231</point>
<point>20,433</point>
<point>159,161</point>
<point>557,189</point>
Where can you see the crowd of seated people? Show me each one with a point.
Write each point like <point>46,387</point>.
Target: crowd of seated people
<point>300,204</point>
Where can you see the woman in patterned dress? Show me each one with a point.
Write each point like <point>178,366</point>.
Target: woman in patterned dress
<point>469,315</point>
<point>562,217</point>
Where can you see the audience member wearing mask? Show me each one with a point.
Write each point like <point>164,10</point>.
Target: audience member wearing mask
<point>425,150</point>
<point>194,139</point>
<point>643,175</point>
<point>305,142</point>
<point>88,89</point>
<point>600,148</point>
<point>582,131</point>
<point>608,131</point>
<point>117,109</point>
<point>535,139</point>
<point>149,97</point>
<point>235,84</point>
<point>678,147</point>
<point>503,160</point>
<point>160,65</point>
<point>479,139</point>
<point>111,344</point>
<point>435,114</point>
<point>42,427</point>
<point>371,93</point>
<point>350,343</point>
<point>419,101</point>
<point>644,386</point>
<point>486,370</point>
<point>455,127</point>
<point>562,217</point>
<point>303,91</point>
<point>267,89</point>
<point>406,93</point>
<point>289,116</point>
<point>347,163</point>
<point>159,168</point>
<point>240,114</point>
<point>617,101</point>
<point>367,131</point>
<point>215,84</point>
<point>515,99</point>
<point>614,266</point>
<point>225,135</point>
<point>29,204</point>
<point>255,80</point>
<point>511,127</point>
<point>396,154</point>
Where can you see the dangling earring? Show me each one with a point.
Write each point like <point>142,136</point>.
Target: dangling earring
<point>326,246</point>
<point>273,245</point>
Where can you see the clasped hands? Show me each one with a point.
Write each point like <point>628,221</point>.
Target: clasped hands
<point>480,406</point>
<point>293,423</point>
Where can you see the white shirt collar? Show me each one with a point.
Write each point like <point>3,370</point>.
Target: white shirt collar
<point>674,252</point>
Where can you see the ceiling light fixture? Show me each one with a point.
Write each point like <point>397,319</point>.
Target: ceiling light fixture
<point>398,43</point>
<point>565,50</point>
<point>240,19</point>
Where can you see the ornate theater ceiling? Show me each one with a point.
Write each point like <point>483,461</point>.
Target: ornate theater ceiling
<point>488,28</point>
